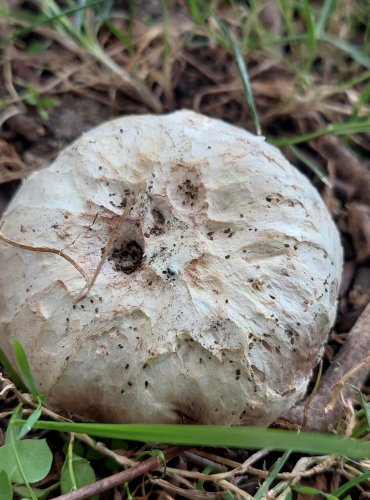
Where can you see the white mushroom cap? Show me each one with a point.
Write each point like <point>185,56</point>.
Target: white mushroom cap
<point>217,299</point>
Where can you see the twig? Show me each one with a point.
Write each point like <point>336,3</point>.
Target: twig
<point>353,352</point>
<point>108,248</point>
<point>227,486</point>
<point>204,462</point>
<point>200,495</point>
<point>190,493</point>
<point>341,383</point>
<point>8,113</point>
<point>240,469</point>
<point>122,477</point>
<point>8,77</point>
<point>43,250</point>
<point>323,466</point>
<point>312,395</point>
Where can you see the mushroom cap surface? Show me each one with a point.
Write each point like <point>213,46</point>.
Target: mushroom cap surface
<point>217,297</point>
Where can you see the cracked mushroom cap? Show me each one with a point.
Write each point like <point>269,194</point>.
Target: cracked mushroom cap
<point>216,298</point>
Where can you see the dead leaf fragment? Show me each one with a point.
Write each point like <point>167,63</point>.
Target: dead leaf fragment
<point>347,166</point>
<point>27,127</point>
<point>11,166</point>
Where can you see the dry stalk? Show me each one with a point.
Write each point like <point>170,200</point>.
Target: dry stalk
<point>108,248</point>
<point>312,395</point>
<point>240,469</point>
<point>190,493</point>
<point>323,463</point>
<point>193,493</point>
<point>323,466</point>
<point>55,251</point>
<point>118,479</point>
<point>216,458</point>
<point>338,388</point>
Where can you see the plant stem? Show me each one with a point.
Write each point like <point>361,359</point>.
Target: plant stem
<point>123,476</point>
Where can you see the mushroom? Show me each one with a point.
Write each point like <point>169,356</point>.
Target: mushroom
<point>215,291</point>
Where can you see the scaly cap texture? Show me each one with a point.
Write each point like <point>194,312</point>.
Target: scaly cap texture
<point>217,297</point>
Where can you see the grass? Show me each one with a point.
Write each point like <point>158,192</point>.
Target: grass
<point>216,436</point>
<point>295,73</point>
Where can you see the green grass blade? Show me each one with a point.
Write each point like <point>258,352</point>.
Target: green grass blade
<point>344,46</point>
<point>346,128</point>
<point>124,38</point>
<point>325,13</point>
<point>351,484</point>
<point>24,365</point>
<point>309,490</point>
<point>286,10</point>
<point>196,13</point>
<point>362,426</point>
<point>23,15</point>
<point>51,19</point>
<point>363,101</point>
<point>13,431</point>
<point>200,482</point>
<point>348,48</point>
<point>156,453</point>
<point>365,95</point>
<point>102,11</point>
<point>6,490</point>
<point>30,422</point>
<point>76,473</point>
<point>356,80</point>
<point>264,488</point>
<point>353,127</point>
<point>128,492</point>
<point>310,164</point>
<point>310,27</point>
<point>13,436</point>
<point>243,73</point>
<point>216,435</point>
<point>69,460</point>
<point>366,407</point>
<point>228,495</point>
<point>12,372</point>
